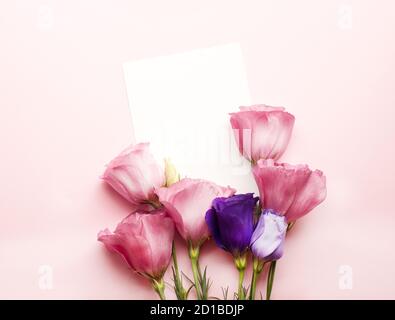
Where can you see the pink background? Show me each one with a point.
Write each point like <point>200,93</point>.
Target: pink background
<point>64,114</point>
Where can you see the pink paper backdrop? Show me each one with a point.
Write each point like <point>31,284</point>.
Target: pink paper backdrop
<point>64,114</point>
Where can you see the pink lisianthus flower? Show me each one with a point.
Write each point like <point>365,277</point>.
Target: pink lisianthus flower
<point>144,241</point>
<point>291,191</point>
<point>262,132</point>
<point>134,174</point>
<point>187,202</point>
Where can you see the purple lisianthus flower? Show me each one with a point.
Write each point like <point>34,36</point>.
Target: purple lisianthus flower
<point>231,222</point>
<point>267,241</point>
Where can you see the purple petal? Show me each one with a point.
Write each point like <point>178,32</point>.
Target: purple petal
<point>212,223</point>
<point>268,238</point>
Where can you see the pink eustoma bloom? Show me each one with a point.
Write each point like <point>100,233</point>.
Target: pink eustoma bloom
<point>134,174</point>
<point>262,132</point>
<point>144,241</point>
<point>187,202</point>
<point>291,191</point>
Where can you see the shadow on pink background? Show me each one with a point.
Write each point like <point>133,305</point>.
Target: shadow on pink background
<point>64,115</point>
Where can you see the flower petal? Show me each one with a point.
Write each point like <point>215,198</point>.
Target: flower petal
<point>310,195</point>
<point>269,236</point>
<point>212,222</point>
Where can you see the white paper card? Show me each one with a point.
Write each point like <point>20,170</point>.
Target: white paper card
<point>180,104</point>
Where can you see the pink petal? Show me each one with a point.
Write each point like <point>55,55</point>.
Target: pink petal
<point>310,195</point>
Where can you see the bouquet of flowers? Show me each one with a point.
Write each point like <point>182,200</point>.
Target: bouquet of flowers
<point>248,227</point>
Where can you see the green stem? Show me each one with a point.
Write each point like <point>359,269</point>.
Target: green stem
<point>253,284</point>
<point>257,269</point>
<point>194,257</point>
<point>241,264</point>
<point>178,287</point>
<point>241,294</point>
<point>159,287</point>
<point>270,279</point>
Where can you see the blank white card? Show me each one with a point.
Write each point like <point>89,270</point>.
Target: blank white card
<point>180,104</point>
